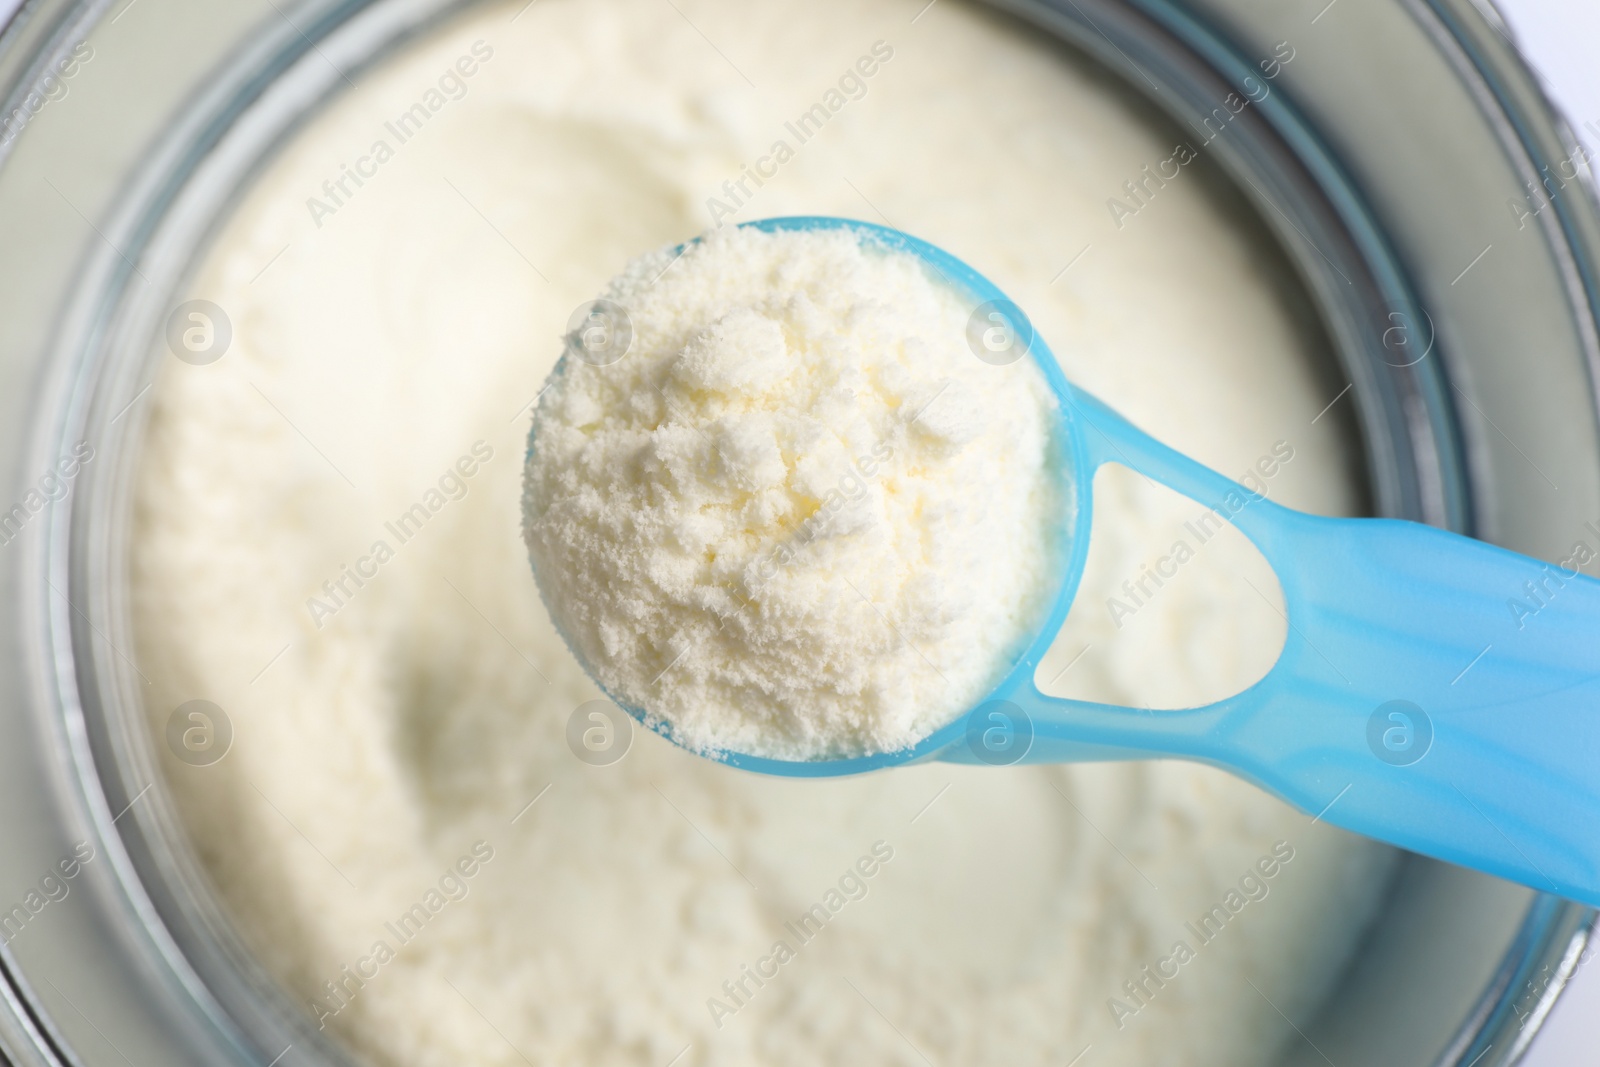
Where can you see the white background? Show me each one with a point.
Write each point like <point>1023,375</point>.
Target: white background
<point>1561,39</point>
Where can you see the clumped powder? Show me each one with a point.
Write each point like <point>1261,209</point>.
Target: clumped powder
<point>799,518</point>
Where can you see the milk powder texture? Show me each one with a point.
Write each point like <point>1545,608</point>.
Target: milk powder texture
<point>427,713</point>
<point>799,518</point>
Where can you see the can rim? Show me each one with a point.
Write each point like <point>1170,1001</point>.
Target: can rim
<point>1552,931</point>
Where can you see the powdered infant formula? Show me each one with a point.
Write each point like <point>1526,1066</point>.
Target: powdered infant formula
<point>434,841</point>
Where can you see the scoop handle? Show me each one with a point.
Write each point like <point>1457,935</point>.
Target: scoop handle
<point>1435,692</point>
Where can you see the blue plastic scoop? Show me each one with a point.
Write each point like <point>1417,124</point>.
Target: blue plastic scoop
<point>1409,704</point>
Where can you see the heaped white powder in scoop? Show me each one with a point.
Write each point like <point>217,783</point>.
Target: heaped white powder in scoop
<point>799,518</point>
